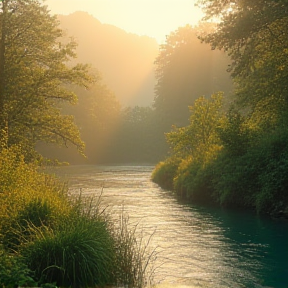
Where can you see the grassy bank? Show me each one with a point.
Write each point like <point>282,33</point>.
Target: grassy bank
<point>49,239</point>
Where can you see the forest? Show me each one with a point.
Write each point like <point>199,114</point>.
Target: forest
<point>48,237</point>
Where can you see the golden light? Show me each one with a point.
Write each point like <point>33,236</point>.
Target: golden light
<point>154,18</point>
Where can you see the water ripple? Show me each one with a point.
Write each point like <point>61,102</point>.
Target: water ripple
<point>198,247</point>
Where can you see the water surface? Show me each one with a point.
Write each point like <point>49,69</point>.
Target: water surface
<point>197,246</point>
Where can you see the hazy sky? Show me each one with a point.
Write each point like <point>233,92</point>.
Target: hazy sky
<point>155,18</point>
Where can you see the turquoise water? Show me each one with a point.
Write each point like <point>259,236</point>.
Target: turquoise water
<point>196,246</point>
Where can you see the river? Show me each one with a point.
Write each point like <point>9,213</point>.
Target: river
<point>196,246</point>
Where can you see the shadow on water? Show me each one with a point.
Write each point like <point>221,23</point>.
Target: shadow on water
<point>258,246</point>
<point>198,246</point>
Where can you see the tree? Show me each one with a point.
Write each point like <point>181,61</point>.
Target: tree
<point>236,135</point>
<point>36,76</point>
<point>200,138</point>
<point>185,70</point>
<point>97,115</point>
<point>254,33</point>
<point>194,148</point>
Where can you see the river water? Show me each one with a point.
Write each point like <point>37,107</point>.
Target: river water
<point>196,246</point>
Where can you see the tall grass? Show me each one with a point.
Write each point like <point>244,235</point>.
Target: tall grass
<point>87,249</point>
<point>79,253</point>
<point>134,261</point>
<point>66,241</point>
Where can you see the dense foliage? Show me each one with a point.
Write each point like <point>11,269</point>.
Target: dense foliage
<point>249,167</point>
<point>48,236</point>
<point>35,77</point>
<point>254,34</point>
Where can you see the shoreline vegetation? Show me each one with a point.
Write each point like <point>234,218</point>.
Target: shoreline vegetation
<point>234,151</point>
<point>235,168</point>
<point>52,239</point>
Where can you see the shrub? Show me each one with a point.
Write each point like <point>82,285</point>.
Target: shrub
<point>36,213</point>
<point>78,253</point>
<point>26,195</point>
<point>165,172</point>
<point>20,183</point>
<point>13,272</point>
<point>273,180</point>
<point>235,180</point>
<point>256,179</point>
<point>193,181</point>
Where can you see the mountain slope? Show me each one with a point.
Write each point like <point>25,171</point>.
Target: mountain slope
<point>125,60</point>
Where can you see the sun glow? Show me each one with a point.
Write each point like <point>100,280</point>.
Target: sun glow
<point>154,18</point>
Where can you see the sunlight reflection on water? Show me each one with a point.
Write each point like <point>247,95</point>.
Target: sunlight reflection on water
<point>198,247</point>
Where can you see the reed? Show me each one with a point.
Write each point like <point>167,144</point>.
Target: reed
<point>134,262</point>
<point>88,249</point>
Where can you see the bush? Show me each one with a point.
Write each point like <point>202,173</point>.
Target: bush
<point>79,253</point>
<point>273,180</point>
<point>13,272</point>
<point>36,213</point>
<point>234,181</point>
<point>22,183</point>
<point>165,172</point>
<point>256,179</point>
<point>193,181</point>
<point>26,196</point>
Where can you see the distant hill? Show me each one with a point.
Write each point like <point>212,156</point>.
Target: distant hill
<point>125,60</point>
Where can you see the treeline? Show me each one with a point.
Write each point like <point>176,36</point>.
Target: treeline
<point>237,155</point>
<point>185,68</point>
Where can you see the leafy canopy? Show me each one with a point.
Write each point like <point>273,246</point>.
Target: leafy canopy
<point>254,33</point>
<point>36,75</point>
<point>199,139</point>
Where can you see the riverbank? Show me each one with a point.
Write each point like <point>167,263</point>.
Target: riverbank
<point>255,180</point>
<point>50,237</point>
